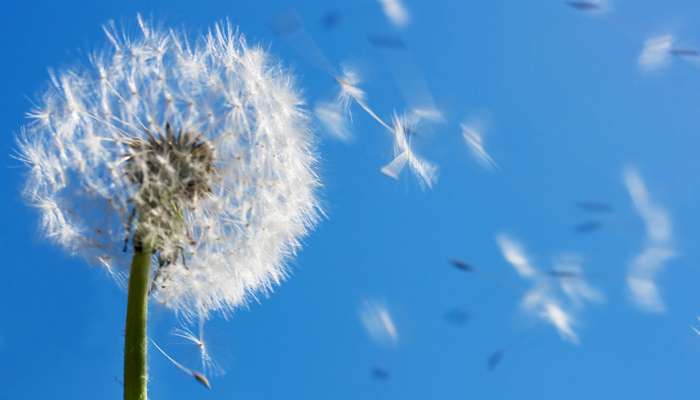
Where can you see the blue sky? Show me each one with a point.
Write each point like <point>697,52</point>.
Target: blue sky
<point>567,109</point>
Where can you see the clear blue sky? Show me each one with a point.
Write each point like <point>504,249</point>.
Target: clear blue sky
<point>568,109</point>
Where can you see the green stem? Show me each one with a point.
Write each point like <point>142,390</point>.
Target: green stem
<point>136,339</point>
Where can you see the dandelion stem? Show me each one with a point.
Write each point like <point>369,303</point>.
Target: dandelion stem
<point>135,342</point>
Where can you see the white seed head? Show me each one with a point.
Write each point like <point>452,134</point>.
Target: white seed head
<point>201,148</point>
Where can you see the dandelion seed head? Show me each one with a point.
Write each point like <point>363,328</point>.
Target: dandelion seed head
<point>206,142</point>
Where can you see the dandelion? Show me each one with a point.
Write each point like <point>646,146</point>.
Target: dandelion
<point>196,154</point>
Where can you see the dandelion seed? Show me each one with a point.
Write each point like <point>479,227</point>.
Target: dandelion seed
<point>494,359</point>
<point>457,316</point>
<point>198,376</point>
<point>657,250</point>
<point>587,5</point>
<point>350,91</point>
<point>574,285</point>
<point>395,12</point>
<point>403,129</point>
<point>588,226</point>
<point>380,373</point>
<point>594,206</point>
<point>206,143</point>
<point>545,301</point>
<point>685,52</point>
<point>515,255</point>
<point>378,322</point>
<point>331,19</point>
<point>331,116</point>
<point>208,365</point>
<point>462,265</point>
<point>474,139</point>
<point>201,379</point>
<point>386,41</point>
<point>655,53</point>
<point>556,273</point>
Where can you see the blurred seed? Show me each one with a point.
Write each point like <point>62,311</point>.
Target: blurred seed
<point>588,226</point>
<point>201,379</point>
<point>457,316</point>
<point>584,5</point>
<point>494,359</point>
<point>380,374</point>
<point>594,206</point>
<point>461,265</point>
<point>685,52</point>
<point>330,20</point>
<point>557,273</point>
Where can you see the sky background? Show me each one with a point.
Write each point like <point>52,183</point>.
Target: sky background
<point>566,107</point>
